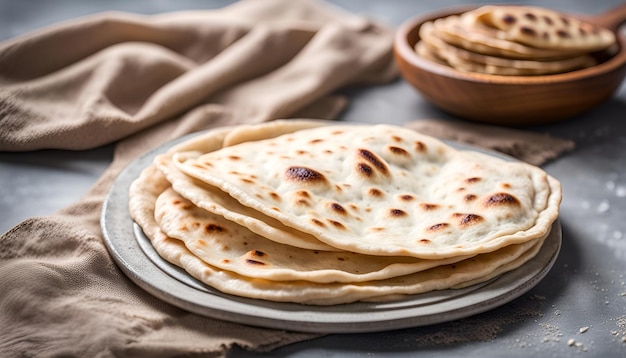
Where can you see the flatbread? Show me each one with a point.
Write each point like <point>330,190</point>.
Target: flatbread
<point>543,28</point>
<point>469,61</point>
<point>291,275</point>
<point>384,190</point>
<point>220,203</point>
<point>224,244</point>
<point>143,195</point>
<point>463,31</point>
<point>514,41</point>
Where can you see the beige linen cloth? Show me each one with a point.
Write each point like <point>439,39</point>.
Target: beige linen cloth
<point>140,81</point>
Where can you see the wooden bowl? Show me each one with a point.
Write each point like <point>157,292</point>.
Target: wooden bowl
<point>510,100</point>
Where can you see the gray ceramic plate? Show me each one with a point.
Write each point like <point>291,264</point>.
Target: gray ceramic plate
<point>134,254</point>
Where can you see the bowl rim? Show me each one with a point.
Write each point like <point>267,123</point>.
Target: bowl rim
<point>404,49</point>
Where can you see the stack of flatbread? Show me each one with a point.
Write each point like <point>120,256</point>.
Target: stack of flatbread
<point>514,40</point>
<point>319,213</point>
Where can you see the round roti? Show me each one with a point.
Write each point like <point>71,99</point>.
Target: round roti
<point>465,32</point>
<point>151,183</point>
<point>469,61</point>
<point>514,41</point>
<point>224,244</point>
<point>543,28</point>
<point>384,190</point>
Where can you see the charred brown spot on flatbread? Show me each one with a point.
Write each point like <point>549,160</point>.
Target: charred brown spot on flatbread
<point>200,165</point>
<point>419,146</point>
<point>365,169</point>
<point>509,19</point>
<point>428,206</point>
<point>502,199</point>
<point>438,227</point>
<point>375,192</point>
<point>255,262</point>
<point>547,20</point>
<point>406,197</point>
<point>398,151</point>
<point>337,208</point>
<point>336,224</point>
<point>473,180</point>
<point>397,213</point>
<point>317,222</point>
<point>254,258</point>
<point>303,193</point>
<point>303,202</point>
<point>304,174</point>
<point>374,160</point>
<point>211,228</point>
<point>563,34</point>
<point>528,31</point>
<point>469,197</point>
<point>466,220</point>
<point>530,16</point>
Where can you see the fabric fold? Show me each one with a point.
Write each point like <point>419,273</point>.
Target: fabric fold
<point>95,80</point>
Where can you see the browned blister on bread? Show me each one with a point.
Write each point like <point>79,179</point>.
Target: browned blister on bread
<point>357,189</point>
<point>227,245</point>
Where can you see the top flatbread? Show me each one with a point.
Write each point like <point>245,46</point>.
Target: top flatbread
<point>225,244</point>
<point>465,31</point>
<point>544,28</point>
<point>470,61</point>
<point>384,190</point>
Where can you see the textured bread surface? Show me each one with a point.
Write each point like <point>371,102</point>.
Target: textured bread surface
<point>396,212</point>
<point>384,190</point>
<point>513,41</point>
